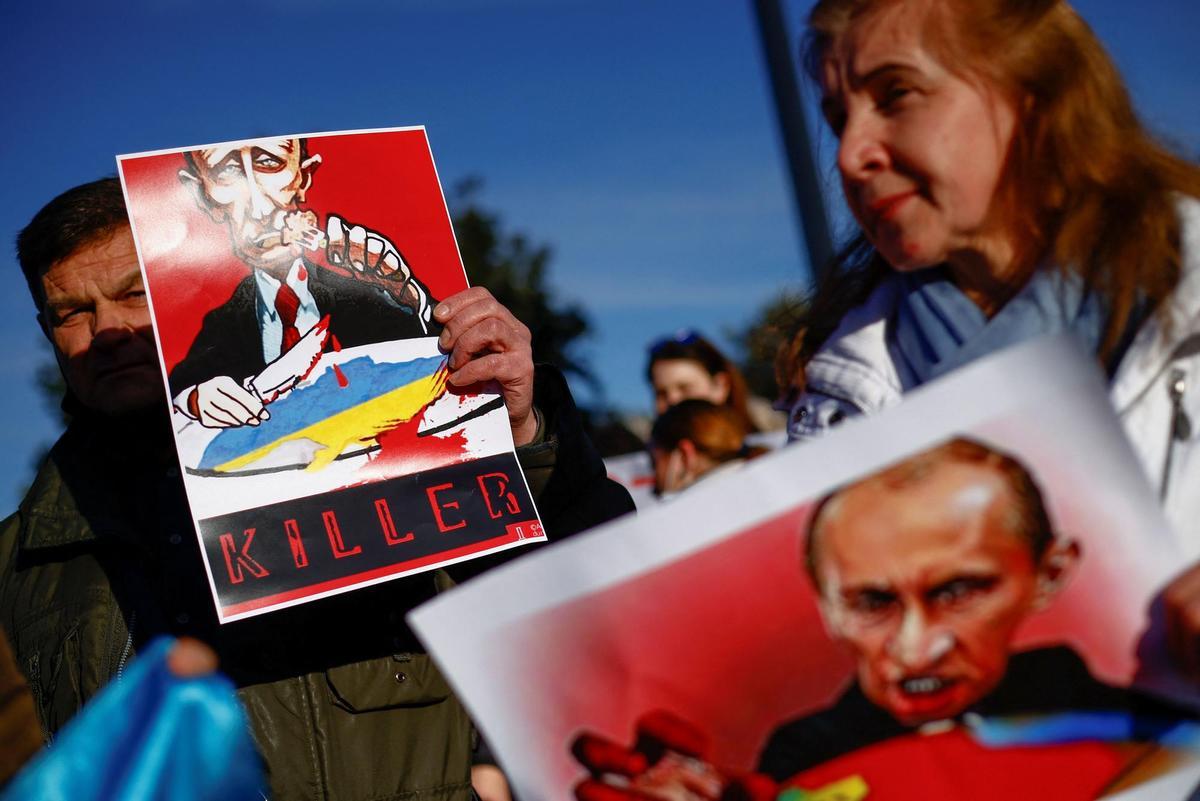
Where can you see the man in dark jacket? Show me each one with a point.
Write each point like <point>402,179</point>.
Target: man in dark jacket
<point>101,557</point>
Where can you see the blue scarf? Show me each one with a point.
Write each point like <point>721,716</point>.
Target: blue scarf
<point>937,328</point>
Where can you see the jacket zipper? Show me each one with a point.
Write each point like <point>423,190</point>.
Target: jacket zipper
<point>1181,425</point>
<point>128,645</point>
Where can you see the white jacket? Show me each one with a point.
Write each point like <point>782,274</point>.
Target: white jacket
<point>1155,390</point>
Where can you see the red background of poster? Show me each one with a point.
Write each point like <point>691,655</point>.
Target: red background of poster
<point>385,181</point>
<point>730,639</point>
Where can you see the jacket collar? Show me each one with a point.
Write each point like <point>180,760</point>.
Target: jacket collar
<point>1174,332</point>
<point>856,364</point>
<point>78,494</point>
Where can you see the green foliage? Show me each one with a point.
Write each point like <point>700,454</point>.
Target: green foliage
<point>759,342</point>
<point>515,269</point>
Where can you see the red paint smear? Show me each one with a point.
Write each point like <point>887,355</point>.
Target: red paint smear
<point>401,452</point>
<point>337,346</point>
<point>343,382</point>
<point>302,273</point>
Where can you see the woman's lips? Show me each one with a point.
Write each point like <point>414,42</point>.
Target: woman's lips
<point>885,208</point>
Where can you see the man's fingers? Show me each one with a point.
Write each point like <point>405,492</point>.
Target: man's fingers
<point>502,367</point>
<point>457,307</point>
<point>486,325</point>
<point>486,342</point>
<point>189,657</point>
<point>488,336</point>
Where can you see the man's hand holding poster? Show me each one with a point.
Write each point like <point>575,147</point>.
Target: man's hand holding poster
<point>292,282</point>
<point>954,599</point>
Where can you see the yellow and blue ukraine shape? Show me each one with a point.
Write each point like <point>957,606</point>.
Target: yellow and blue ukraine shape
<point>375,398</point>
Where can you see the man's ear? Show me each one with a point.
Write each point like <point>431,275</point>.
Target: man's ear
<point>831,617</point>
<point>193,185</point>
<point>691,458</point>
<point>722,382</point>
<point>307,168</point>
<point>1055,569</point>
<point>44,324</point>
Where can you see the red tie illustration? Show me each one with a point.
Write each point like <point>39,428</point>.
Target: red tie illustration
<point>286,303</point>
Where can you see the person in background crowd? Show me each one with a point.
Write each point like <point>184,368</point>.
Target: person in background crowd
<point>693,439</point>
<point>689,366</point>
<point>1005,189</point>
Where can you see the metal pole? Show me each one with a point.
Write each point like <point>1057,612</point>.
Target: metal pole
<point>806,188</point>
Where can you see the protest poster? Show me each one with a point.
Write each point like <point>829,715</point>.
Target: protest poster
<point>291,282</point>
<point>969,622</point>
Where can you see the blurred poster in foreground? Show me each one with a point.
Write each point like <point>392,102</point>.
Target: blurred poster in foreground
<point>950,600</point>
<point>292,282</point>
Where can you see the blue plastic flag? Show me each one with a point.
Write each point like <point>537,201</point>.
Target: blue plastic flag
<point>150,735</point>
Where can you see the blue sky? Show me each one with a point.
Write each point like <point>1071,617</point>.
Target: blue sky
<point>636,137</point>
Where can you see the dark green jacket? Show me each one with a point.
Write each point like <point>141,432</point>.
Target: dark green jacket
<point>101,557</point>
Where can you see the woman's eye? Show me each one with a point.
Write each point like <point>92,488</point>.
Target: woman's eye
<point>892,95</point>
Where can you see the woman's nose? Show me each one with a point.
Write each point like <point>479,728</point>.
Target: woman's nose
<point>861,149</point>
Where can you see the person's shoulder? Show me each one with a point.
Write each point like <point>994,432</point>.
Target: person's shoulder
<point>852,722</point>
<point>1188,208</point>
<point>1050,679</point>
<point>42,497</point>
<point>1055,658</point>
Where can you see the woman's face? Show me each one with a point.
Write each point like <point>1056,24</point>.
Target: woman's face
<point>676,380</point>
<point>921,149</point>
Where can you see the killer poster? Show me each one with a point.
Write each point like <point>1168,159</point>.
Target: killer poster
<point>292,282</point>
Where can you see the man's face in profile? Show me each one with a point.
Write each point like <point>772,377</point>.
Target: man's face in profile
<point>255,189</point>
<point>927,583</point>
